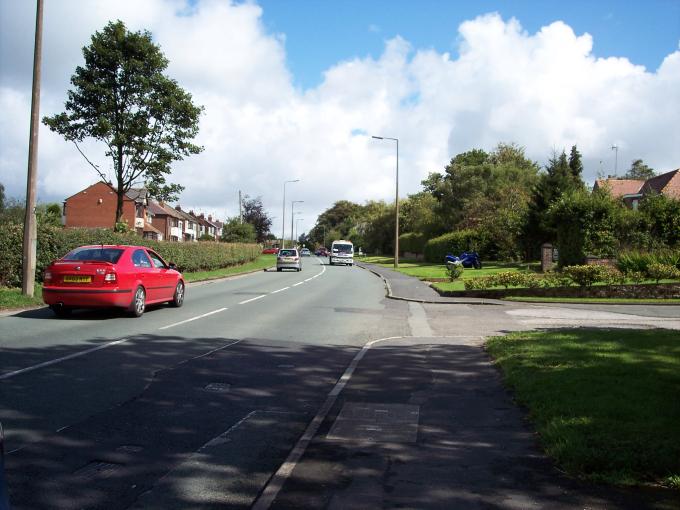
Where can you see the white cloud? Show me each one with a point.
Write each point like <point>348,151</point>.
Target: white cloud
<point>540,90</point>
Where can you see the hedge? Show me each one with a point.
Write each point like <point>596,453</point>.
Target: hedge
<point>638,261</point>
<point>412,242</point>
<point>55,242</point>
<point>453,242</point>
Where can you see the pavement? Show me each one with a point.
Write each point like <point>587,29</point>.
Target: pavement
<point>406,288</point>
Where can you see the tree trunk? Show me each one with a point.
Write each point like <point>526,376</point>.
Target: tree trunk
<point>121,185</point>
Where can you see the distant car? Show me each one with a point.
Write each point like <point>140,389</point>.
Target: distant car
<point>304,252</point>
<point>321,252</point>
<point>111,276</point>
<point>288,258</point>
<point>270,251</point>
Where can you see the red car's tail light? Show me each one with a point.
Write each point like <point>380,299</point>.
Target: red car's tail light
<point>110,277</point>
<point>47,276</point>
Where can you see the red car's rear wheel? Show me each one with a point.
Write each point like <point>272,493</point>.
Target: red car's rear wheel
<point>138,304</point>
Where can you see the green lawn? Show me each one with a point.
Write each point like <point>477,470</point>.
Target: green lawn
<point>428,270</point>
<point>606,403</point>
<point>610,301</point>
<point>11,298</point>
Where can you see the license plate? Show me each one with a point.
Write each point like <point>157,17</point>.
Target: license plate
<point>77,279</point>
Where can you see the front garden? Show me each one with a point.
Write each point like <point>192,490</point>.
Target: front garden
<point>633,275</point>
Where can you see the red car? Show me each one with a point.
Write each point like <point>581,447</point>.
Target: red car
<point>270,251</point>
<point>128,277</point>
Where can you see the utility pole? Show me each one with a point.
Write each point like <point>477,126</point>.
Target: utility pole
<point>30,230</point>
<point>615,148</point>
<point>240,207</point>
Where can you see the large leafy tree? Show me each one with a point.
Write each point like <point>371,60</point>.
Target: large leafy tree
<point>489,192</point>
<point>122,97</point>
<point>255,215</point>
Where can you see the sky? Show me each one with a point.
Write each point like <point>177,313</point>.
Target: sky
<point>295,89</point>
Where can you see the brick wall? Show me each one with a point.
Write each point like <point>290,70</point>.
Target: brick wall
<point>95,207</point>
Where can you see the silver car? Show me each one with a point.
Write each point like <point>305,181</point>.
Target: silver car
<point>288,258</point>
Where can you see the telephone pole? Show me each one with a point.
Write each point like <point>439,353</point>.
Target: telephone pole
<point>240,207</point>
<point>30,230</point>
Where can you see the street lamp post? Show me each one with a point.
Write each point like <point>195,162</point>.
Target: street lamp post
<point>283,220</point>
<point>292,216</point>
<point>615,148</point>
<point>396,203</point>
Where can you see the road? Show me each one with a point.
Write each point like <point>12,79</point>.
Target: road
<point>239,392</point>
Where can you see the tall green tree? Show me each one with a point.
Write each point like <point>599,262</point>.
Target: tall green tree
<point>2,197</point>
<point>638,170</point>
<point>236,232</point>
<point>562,175</point>
<point>254,213</point>
<point>122,98</point>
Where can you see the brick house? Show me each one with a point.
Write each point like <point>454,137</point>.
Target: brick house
<point>631,191</point>
<point>167,220</point>
<point>95,207</point>
<point>207,226</point>
<point>191,225</point>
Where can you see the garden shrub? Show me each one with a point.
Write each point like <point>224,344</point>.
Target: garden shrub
<point>638,261</point>
<point>454,271</point>
<point>412,242</point>
<point>55,242</point>
<point>585,275</point>
<point>658,272</point>
<point>455,243</point>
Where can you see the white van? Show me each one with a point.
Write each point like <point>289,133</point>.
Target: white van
<point>342,252</point>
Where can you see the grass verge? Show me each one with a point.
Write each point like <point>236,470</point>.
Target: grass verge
<point>260,263</point>
<point>610,301</point>
<point>11,298</point>
<point>606,403</point>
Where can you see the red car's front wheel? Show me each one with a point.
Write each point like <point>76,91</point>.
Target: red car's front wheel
<point>178,298</point>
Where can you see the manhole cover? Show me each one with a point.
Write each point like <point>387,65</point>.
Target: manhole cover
<point>97,469</point>
<point>218,387</point>
<point>394,423</point>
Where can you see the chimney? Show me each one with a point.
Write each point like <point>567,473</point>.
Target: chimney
<point>178,208</point>
<point>201,216</point>
<point>209,217</point>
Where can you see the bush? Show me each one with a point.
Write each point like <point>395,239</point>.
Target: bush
<point>412,242</point>
<point>585,275</point>
<point>55,242</point>
<point>638,261</point>
<point>454,271</point>
<point>662,272</point>
<point>453,242</point>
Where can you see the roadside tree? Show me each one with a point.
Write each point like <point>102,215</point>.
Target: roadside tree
<point>254,213</point>
<point>121,97</point>
<point>236,232</point>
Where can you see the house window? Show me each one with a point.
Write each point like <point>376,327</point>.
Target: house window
<point>139,211</point>
<point>634,203</point>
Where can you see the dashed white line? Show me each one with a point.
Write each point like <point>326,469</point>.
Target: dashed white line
<point>280,290</point>
<point>59,360</point>
<point>252,299</point>
<point>194,318</point>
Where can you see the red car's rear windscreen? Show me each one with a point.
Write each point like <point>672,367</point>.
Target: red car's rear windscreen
<point>95,254</point>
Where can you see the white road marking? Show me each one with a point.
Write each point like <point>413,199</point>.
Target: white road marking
<point>59,360</point>
<point>298,283</point>
<point>252,299</point>
<point>194,318</point>
<point>280,290</point>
